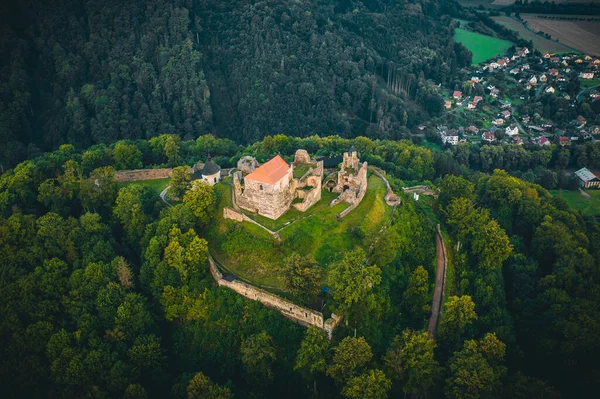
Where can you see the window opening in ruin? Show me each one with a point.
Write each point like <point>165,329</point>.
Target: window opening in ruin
<point>215,179</point>
<point>261,187</point>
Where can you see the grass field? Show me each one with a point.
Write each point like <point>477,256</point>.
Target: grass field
<point>539,42</point>
<point>585,83</point>
<point>252,253</point>
<point>483,47</point>
<point>156,185</point>
<point>587,206</point>
<point>430,145</point>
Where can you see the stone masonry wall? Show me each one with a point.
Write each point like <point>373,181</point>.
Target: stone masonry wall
<point>142,174</point>
<point>272,201</point>
<point>232,214</point>
<point>304,316</point>
<point>362,176</point>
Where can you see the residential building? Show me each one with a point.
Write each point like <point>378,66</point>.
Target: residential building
<point>587,179</point>
<point>512,130</point>
<point>488,136</point>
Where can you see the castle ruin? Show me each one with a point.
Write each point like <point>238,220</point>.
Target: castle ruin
<point>350,181</point>
<point>270,189</point>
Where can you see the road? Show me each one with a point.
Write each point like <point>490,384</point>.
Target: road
<point>440,280</point>
<point>585,91</point>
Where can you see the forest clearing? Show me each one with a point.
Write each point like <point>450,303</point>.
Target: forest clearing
<point>483,47</point>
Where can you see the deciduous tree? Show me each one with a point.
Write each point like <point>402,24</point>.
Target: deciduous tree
<point>349,359</point>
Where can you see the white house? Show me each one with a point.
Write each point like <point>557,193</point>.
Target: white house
<point>211,173</point>
<point>550,89</point>
<point>586,75</point>
<point>512,130</point>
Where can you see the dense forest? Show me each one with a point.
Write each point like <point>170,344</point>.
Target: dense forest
<point>105,290</point>
<point>84,72</point>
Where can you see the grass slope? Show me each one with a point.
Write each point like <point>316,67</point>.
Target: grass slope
<point>253,254</point>
<point>587,206</point>
<point>156,185</point>
<point>483,47</point>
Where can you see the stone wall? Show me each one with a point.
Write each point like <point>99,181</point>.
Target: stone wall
<point>269,200</point>
<point>309,199</point>
<point>142,174</point>
<point>362,177</point>
<point>313,196</point>
<point>304,316</point>
<point>232,214</point>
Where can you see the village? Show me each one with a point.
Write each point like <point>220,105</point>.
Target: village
<point>525,97</point>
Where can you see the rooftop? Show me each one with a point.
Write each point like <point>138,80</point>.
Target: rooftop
<point>585,175</point>
<point>270,172</point>
<point>210,168</point>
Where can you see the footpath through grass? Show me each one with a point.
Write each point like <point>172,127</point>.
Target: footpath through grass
<point>576,200</point>
<point>483,47</point>
<point>252,253</point>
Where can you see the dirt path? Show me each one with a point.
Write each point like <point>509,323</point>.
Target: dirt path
<point>586,195</point>
<point>439,282</point>
<point>162,195</point>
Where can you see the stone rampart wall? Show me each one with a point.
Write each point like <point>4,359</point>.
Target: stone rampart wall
<point>142,174</point>
<point>304,316</point>
<point>362,175</point>
<point>309,199</point>
<point>232,214</point>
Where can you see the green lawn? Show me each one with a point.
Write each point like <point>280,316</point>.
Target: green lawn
<point>585,83</point>
<point>587,206</point>
<point>252,253</point>
<point>156,185</point>
<point>483,47</point>
<point>431,146</point>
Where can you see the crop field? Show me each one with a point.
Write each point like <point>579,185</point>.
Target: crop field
<point>582,35</point>
<point>483,47</point>
<point>253,254</point>
<point>587,206</point>
<point>503,3</point>
<point>540,43</point>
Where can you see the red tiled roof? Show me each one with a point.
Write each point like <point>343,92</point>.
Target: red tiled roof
<point>270,172</point>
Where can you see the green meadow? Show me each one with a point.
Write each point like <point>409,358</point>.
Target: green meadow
<point>587,206</point>
<point>483,47</point>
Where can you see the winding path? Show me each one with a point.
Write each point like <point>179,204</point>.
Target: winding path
<point>162,195</point>
<point>440,282</point>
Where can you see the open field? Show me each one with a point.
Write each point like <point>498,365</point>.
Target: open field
<point>582,35</point>
<point>156,185</point>
<point>585,83</point>
<point>540,43</point>
<point>587,206</point>
<point>253,254</point>
<point>483,47</point>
